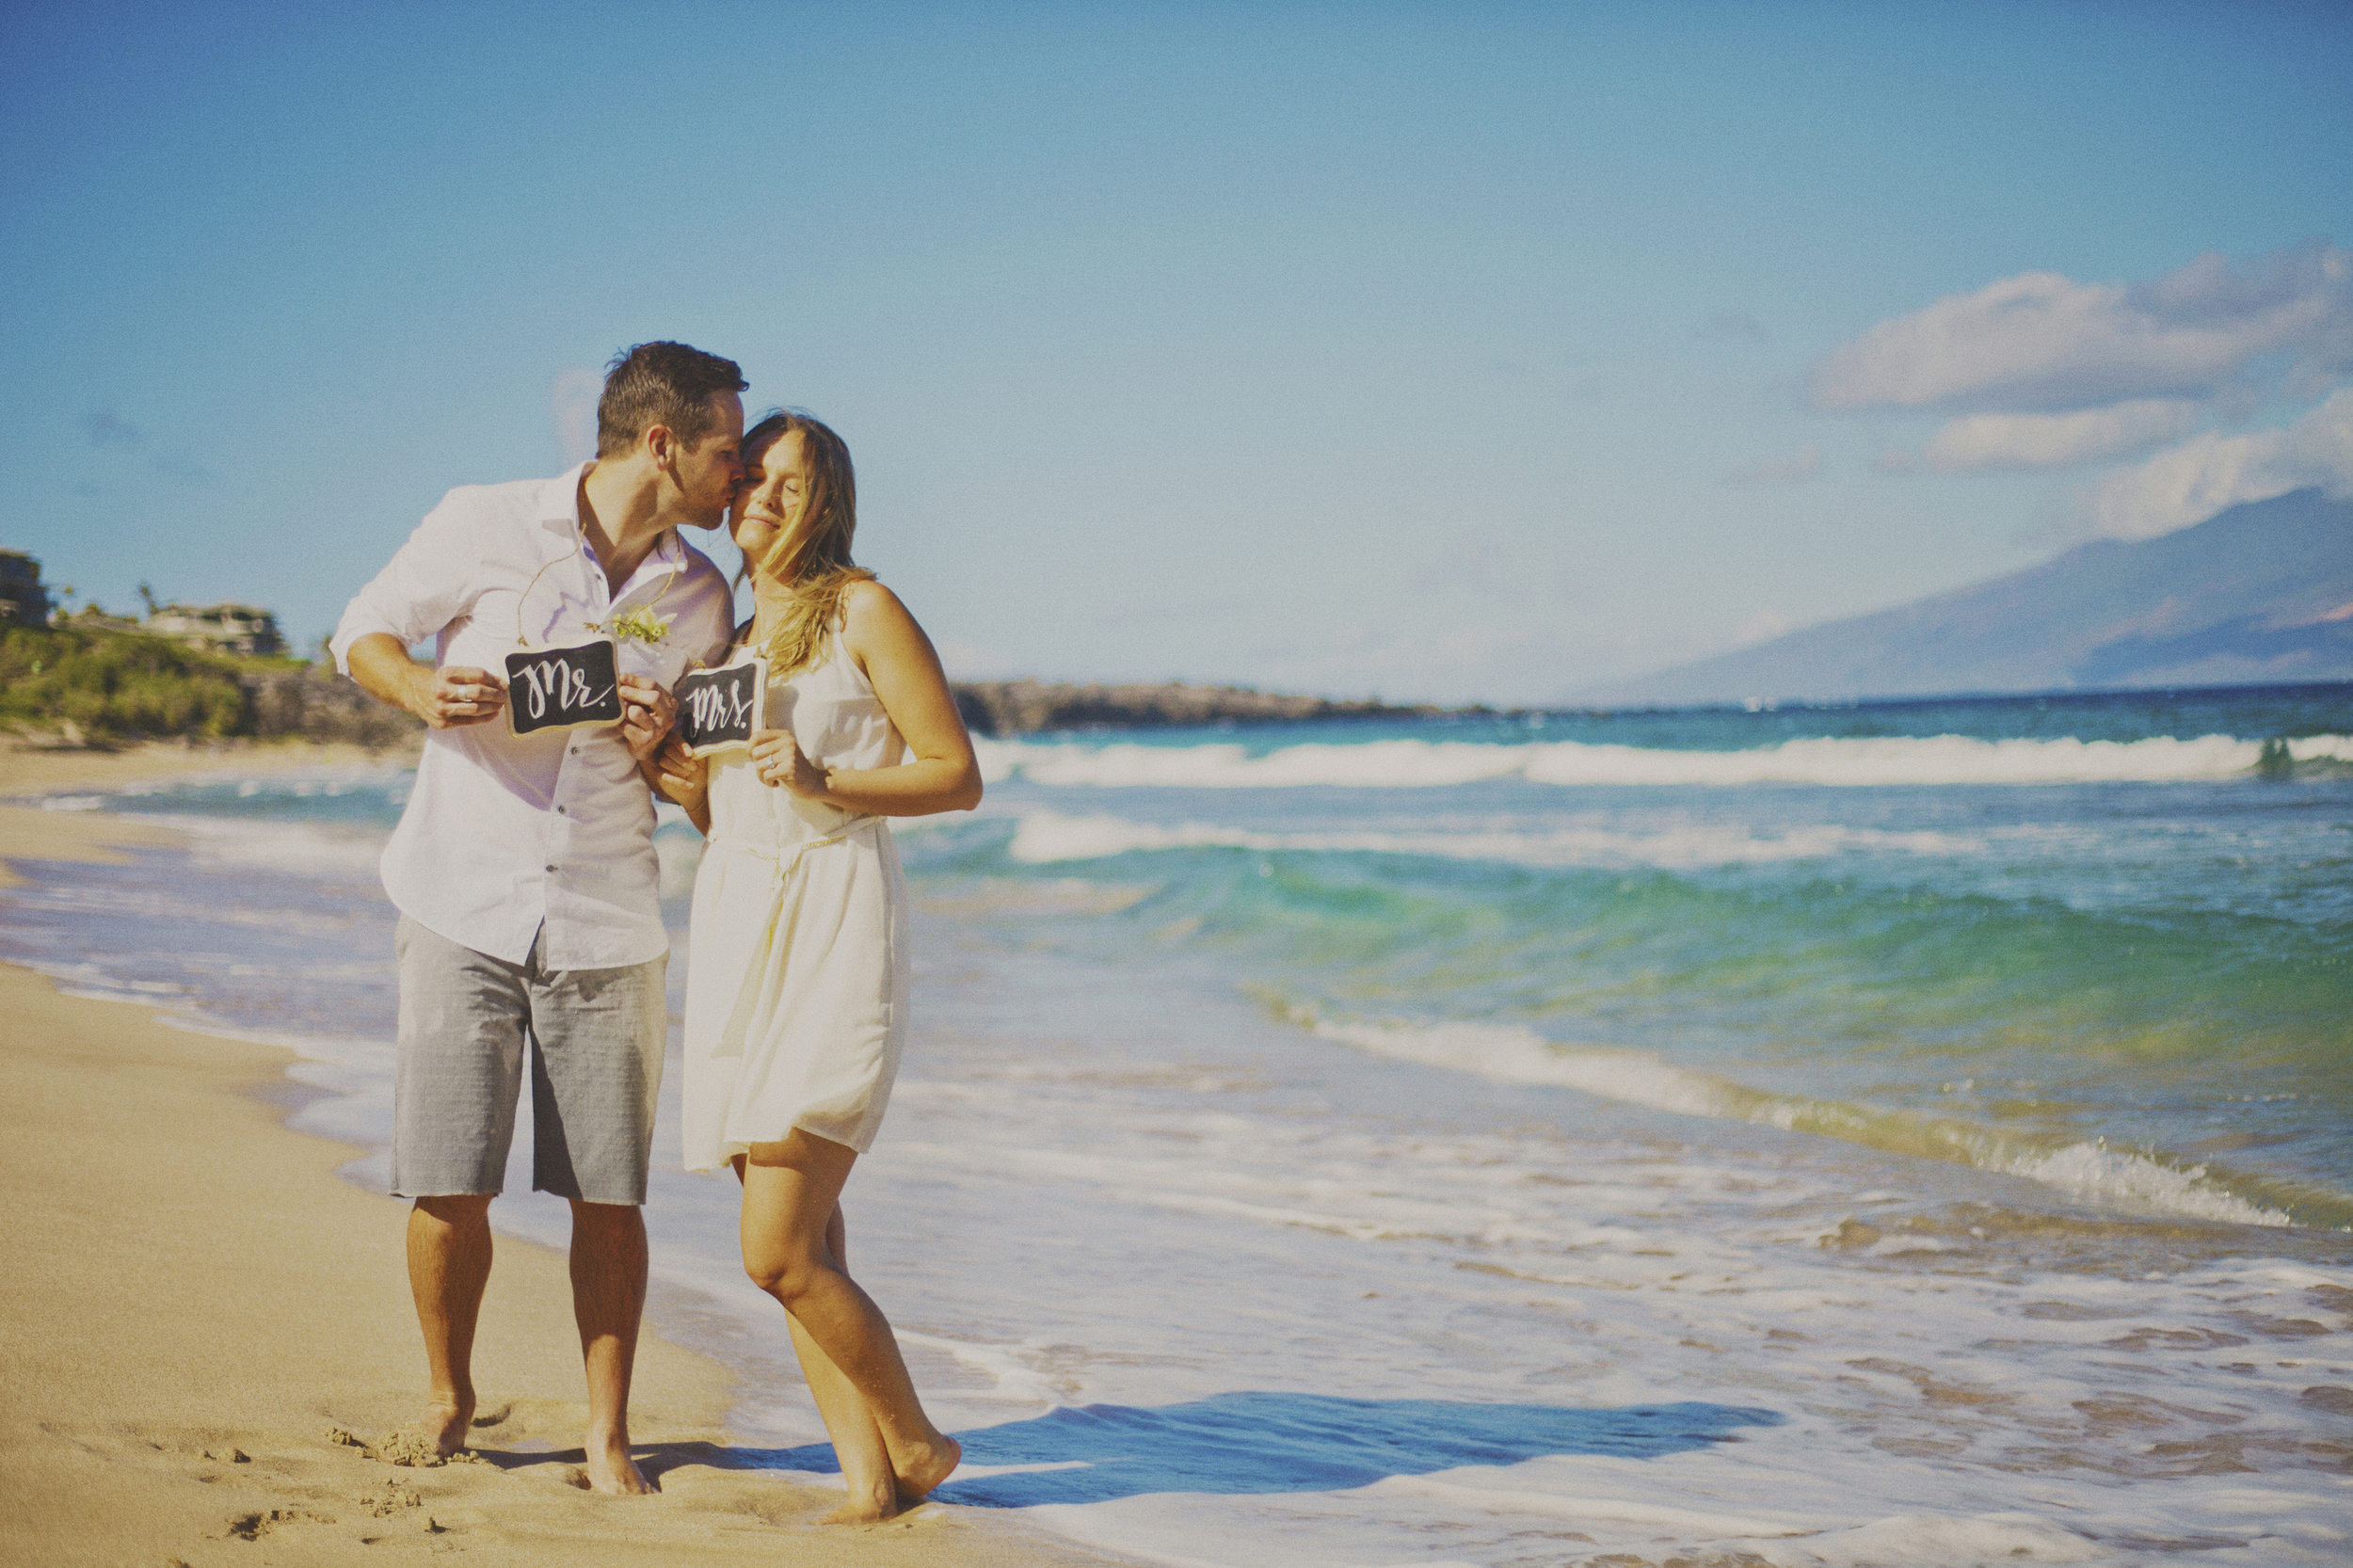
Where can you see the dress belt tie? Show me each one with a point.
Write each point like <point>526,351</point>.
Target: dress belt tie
<point>787,864</point>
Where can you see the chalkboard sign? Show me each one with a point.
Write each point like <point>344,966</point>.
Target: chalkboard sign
<point>718,709</point>
<point>563,688</point>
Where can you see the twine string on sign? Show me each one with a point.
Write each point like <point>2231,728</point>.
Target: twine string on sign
<point>677,570</point>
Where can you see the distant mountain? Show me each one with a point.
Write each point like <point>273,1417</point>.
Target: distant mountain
<point>2259,594</point>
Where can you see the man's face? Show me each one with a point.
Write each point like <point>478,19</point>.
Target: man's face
<point>708,471</point>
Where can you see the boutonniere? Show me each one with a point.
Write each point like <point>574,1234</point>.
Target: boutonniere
<point>640,625</point>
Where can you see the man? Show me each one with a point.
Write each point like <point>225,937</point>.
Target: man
<point>523,866</point>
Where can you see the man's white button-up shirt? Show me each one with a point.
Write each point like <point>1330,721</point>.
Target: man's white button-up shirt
<point>504,834</point>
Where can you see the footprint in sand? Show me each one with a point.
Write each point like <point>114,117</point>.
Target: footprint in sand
<point>401,1448</point>
<point>395,1497</point>
<point>252,1527</point>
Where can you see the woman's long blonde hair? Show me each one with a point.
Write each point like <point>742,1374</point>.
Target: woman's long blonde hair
<point>813,559</point>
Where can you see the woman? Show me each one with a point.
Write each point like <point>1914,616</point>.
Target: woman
<point>797,997</point>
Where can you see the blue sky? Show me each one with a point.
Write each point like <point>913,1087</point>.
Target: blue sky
<point>1446,352</point>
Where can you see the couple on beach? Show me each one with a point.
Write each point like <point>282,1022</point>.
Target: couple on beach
<point>531,930</point>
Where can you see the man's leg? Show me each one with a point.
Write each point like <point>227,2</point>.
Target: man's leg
<point>596,1068</point>
<point>448,1265</point>
<point>459,1072</point>
<point>608,1298</point>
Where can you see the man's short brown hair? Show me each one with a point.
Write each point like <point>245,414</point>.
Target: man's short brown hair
<point>661,383</point>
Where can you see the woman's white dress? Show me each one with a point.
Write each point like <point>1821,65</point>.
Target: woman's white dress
<point>797,997</point>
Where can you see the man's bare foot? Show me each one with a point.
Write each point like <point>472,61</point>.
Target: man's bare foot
<point>920,1469</point>
<point>609,1468</point>
<point>445,1424</point>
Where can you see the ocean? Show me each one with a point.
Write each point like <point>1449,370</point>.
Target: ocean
<point>1909,1133</point>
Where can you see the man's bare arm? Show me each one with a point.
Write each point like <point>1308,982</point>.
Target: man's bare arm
<point>444,698</point>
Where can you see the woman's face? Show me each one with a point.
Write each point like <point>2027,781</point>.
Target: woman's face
<point>769,501</point>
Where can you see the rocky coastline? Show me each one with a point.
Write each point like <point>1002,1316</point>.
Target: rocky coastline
<point>1002,707</point>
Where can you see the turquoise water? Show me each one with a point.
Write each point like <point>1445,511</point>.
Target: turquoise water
<point>1803,1133</point>
<point>2161,962</point>
<point>1986,930</point>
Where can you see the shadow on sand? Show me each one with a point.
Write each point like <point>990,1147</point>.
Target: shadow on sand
<point>1265,1443</point>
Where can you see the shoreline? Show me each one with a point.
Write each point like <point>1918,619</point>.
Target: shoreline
<point>29,771</point>
<point>31,764</point>
<point>205,1298</point>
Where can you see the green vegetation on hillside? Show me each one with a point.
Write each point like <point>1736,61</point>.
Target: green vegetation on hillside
<point>102,685</point>
<point>116,684</point>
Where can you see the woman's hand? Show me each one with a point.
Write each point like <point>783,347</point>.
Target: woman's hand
<point>777,759</point>
<point>685,780</point>
<point>647,712</point>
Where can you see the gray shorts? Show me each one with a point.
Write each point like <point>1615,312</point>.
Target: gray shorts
<point>596,1067</point>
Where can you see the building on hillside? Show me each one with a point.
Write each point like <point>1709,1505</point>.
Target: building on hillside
<point>22,599</point>
<point>217,627</point>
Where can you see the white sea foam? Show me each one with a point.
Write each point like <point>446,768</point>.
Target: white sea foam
<point>1947,1541</point>
<point>1514,1054</point>
<point>1424,764</point>
<point>298,847</point>
<point>1044,838</point>
<point>2097,1171</point>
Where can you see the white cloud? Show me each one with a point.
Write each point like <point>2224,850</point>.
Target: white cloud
<point>572,408</point>
<point>1796,468</point>
<point>2042,342</point>
<point>2190,483</point>
<point>2047,440</point>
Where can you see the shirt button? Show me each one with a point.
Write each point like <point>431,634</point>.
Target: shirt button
<point>561,811</point>
<point>550,870</point>
<point>575,751</point>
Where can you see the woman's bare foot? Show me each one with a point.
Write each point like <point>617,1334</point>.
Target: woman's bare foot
<point>863,1509</point>
<point>923,1468</point>
<point>610,1468</point>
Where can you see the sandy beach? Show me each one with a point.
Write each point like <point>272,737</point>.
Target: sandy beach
<point>196,1306</point>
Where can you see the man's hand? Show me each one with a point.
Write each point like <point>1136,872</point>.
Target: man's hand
<point>445,698</point>
<point>457,695</point>
<point>778,759</point>
<point>648,711</point>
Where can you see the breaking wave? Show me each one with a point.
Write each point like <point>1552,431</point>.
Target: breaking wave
<point>1045,838</point>
<point>1430,764</point>
<point>2083,1169</point>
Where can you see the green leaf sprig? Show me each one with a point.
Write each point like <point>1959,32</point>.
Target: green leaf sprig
<point>640,625</point>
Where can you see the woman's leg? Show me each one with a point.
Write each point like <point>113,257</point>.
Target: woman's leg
<point>858,1443</point>
<point>790,1203</point>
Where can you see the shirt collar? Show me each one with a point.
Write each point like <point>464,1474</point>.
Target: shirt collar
<point>559,514</point>
<point>559,502</point>
<point>670,551</point>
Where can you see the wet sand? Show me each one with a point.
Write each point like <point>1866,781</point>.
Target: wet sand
<point>195,1305</point>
